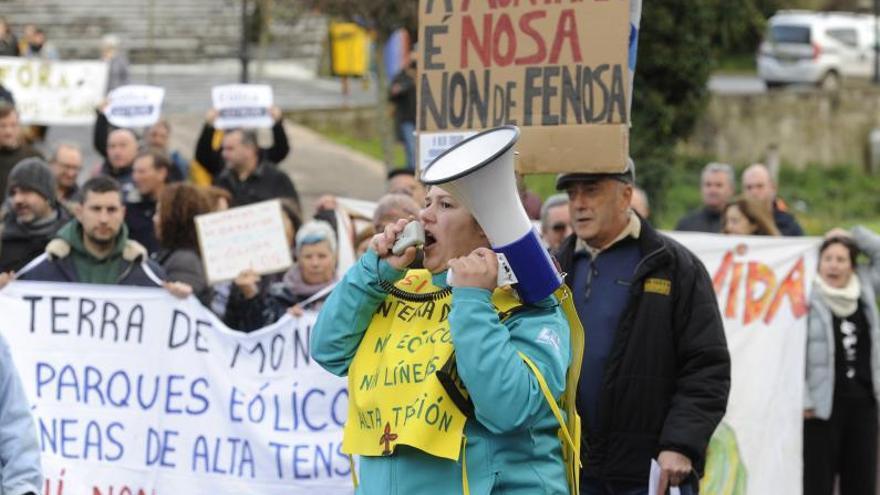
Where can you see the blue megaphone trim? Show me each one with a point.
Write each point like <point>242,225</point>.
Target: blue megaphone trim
<point>535,271</point>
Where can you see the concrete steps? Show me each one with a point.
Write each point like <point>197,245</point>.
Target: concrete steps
<point>169,31</point>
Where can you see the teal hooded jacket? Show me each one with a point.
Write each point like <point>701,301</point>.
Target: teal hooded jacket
<point>512,444</point>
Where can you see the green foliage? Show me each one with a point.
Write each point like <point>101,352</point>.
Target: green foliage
<point>383,16</point>
<point>371,147</point>
<point>674,64</point>
<point>831,197</point>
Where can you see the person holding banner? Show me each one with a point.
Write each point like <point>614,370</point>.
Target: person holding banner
<point>94,248</point>
<point>441,399</point>
<point>174,224</point>
<point>20,471</point>
<point>843,367</point>
<point>746,216</point>
<point>34,214</point>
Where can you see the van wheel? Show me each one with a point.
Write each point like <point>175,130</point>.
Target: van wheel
<point>772,85</point>
<point>831,82</point>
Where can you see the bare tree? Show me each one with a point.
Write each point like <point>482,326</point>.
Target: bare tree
<point>383,17</point>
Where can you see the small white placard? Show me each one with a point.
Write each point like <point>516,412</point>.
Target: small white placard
<point>134,105</point>
<point>247,237</point>
<point>433,144</point>
<point>242,106</point>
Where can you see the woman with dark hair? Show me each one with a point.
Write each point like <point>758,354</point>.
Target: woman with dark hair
<point>746,216</point>
<point>174,221</point>
<point>843,367</point>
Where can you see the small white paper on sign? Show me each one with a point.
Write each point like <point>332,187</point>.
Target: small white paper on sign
<point>242,106</point>
<point>654,481</point>
<point>134,105</point>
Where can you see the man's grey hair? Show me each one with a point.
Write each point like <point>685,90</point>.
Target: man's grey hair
<point>64,144</point>
<point>716,167</point>
<point>551,202</point>
<point>396,204</point>
<point>314,232</point>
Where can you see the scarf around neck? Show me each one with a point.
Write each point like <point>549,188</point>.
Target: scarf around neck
<point>842,301</point>
<point>299,287</point>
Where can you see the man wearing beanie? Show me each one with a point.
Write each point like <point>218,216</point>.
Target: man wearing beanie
<point>31,214</point>
<point>13,149</point>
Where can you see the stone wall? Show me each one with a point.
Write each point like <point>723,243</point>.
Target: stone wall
<point>806,127</point>
<point>162,31</point>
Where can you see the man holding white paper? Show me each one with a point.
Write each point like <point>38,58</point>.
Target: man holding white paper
<point>246,177</point>
<point>656,372</point>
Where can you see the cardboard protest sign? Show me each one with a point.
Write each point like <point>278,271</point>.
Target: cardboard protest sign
<point>136,392</point>
<point>52,92</point>
<point>134,105</point>
<point>246,237</point>
<point>560,71</point>
<point>242,106</point>
<point>762,285</point>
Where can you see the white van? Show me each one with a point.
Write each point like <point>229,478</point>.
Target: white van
<point>819,48</point>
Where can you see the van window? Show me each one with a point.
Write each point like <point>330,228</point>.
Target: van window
<point>846,36</point>
<point>781,33</point>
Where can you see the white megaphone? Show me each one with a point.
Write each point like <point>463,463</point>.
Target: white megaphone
<point>479,172</point>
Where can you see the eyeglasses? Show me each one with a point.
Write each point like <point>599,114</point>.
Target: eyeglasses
<point>559,227</point>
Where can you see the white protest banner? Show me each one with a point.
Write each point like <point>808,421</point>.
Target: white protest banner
<point>136,392</point>
<point>246,237</point>
<point>762,285</point>
<point>242,106</point>
<point>52,92</point>
<point>135,105</point>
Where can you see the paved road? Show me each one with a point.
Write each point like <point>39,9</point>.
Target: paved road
<point>735,84</point>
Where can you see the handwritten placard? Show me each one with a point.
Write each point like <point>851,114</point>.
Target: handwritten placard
<point>246,237</point>
<point>559,70</point>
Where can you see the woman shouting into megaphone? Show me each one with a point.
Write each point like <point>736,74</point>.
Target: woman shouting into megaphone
<point>446,384</point>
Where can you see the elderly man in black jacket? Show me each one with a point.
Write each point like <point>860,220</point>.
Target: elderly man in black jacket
<point>656,372</point>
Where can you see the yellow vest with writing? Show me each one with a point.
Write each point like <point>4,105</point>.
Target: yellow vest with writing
<point>395,395</point>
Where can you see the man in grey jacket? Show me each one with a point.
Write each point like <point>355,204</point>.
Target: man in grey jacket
<point>20,471</point>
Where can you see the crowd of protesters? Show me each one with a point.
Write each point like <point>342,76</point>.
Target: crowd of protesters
<point>131,221</point>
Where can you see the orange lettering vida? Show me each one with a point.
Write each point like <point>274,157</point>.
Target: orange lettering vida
<point>763,295</point>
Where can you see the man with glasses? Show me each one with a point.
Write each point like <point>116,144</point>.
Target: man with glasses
<point>66,163</point>
<point>555,221</point>
<point>656,371</point>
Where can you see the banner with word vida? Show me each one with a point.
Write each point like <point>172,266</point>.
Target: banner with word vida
<point>134,391</point>
<point>52,92</point>
<point>559,70</point>
<point>762,285</point>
